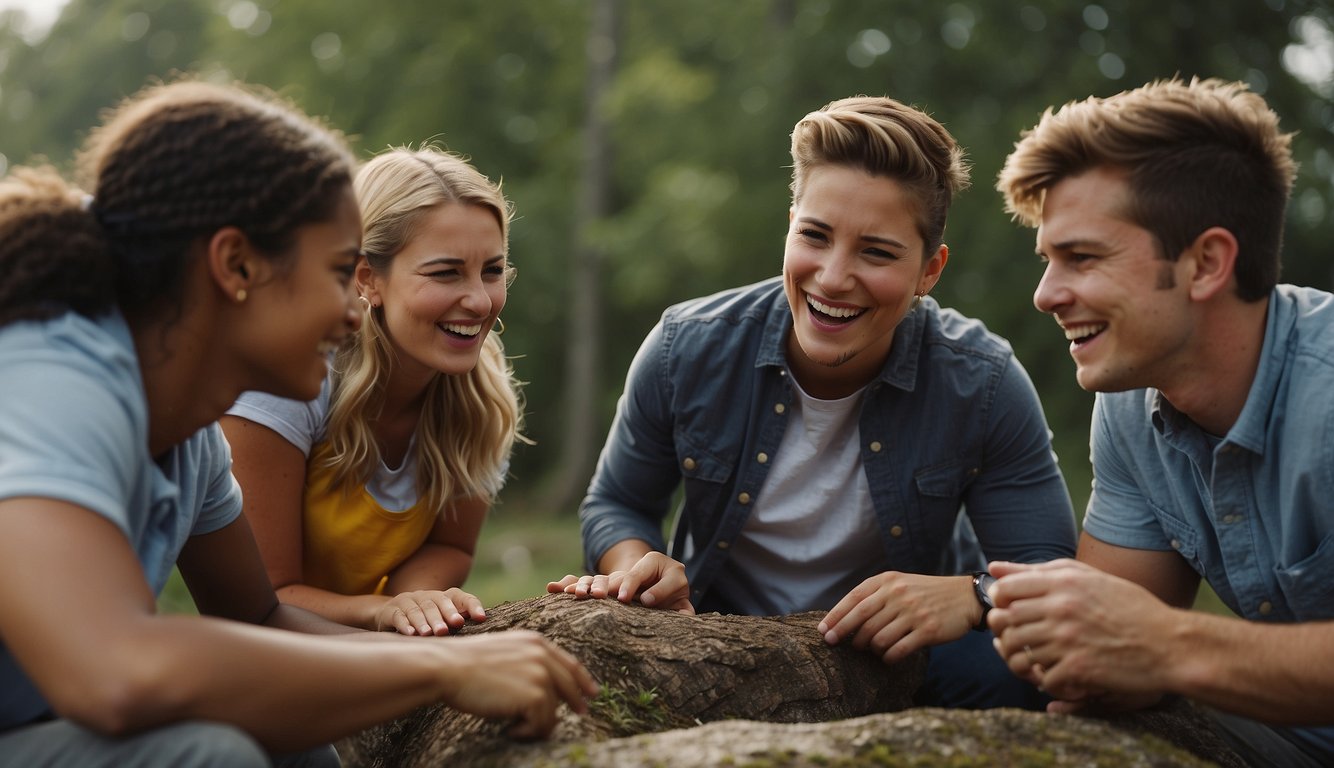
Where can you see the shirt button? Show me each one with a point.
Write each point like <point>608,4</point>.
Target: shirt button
<point>1266,608</point>
<point>689,464</point>
<point>896,531</point>
<point>762,458</point>
<point>723,545</point>
<point>1230,519</point>
<point>974,472</point>
<point>744,498</point>
<point>875,446</point>
<point>1176,543</point>
<point>779,408</point>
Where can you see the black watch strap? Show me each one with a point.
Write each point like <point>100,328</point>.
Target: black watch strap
<point>982,581</point>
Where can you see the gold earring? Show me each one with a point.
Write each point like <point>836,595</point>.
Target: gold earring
<point>916,300</point>
<point>365,303</point>
<point>501,330</point>
<point>241,296</point>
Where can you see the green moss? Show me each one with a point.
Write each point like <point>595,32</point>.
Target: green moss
<point>630,714</point>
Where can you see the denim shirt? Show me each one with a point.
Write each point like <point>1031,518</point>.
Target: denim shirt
<point>1252,512</point>
<point>951,421</point>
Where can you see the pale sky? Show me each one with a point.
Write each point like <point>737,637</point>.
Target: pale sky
<point>41,12</point>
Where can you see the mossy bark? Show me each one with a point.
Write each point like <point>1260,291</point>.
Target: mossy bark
<point>664,675</point>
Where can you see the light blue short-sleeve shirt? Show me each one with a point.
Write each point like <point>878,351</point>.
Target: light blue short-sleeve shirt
<point>74,427</point>
<point>1251,511</point>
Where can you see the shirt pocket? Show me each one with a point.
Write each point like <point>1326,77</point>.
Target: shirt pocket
<point>1308,584</point>
<point>940,490</point>
<point>707,478</point>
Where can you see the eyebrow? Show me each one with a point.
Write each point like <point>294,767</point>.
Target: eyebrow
<point>867,238</point>
<point>455,260</point>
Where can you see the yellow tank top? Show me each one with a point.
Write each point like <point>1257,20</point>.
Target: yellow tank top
<point>351,543</point>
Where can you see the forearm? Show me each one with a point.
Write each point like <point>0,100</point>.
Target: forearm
<point>434,566</point>
<point>623,555</point>
<point>352,610</point>
<point>1282,674</point>
<point>198,668</point>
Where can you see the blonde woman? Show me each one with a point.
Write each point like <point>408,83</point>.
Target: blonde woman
<point>367,501</point>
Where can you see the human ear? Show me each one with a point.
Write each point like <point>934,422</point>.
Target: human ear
<point>1213,261</point>
<point>232,265</point>
<point>932,269</point>
<point>365,279</point>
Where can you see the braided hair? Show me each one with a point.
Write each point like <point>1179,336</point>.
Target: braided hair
<point>166,169</point>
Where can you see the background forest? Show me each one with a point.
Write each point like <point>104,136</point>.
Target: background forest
<point>644,144</point>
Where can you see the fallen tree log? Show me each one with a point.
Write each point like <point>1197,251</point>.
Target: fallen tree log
<point>772,693</point>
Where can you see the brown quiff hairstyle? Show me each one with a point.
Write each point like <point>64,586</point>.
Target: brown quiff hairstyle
<point>1201,154</point>
<point>884,137</point>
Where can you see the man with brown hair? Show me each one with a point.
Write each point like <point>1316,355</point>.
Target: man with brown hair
<point>1160,216</point>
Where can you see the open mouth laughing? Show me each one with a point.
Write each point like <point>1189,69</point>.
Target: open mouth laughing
<point>832,315</point>
<point>1082,333</point>
<point>460,330</point>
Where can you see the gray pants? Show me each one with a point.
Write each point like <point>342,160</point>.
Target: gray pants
<point>188,745</point>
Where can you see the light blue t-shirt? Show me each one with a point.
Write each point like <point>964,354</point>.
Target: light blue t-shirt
<point>74,427</point>
<point>1253,513</point>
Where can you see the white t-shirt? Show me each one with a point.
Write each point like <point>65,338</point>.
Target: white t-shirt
<point>812,535</point>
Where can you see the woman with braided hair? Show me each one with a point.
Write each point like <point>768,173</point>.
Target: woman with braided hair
<point>367,501</point>
<point>213,254</point>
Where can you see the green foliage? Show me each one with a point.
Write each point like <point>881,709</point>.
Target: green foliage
<point>701,105</point>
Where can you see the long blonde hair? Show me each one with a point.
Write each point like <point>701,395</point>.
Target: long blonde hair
<point>469,421</point>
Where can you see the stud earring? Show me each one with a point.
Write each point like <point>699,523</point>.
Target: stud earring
<point>241,296</point>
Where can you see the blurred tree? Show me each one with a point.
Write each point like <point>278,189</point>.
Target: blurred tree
<point>698,110</point>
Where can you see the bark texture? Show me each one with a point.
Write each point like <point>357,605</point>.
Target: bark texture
<point>772,693</point>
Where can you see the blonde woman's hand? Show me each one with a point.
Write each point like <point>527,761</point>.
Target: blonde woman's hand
<point>429,612</point>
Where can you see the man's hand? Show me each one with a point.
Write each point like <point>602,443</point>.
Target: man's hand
<point>1090,639</point>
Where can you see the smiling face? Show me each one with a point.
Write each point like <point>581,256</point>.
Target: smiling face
<point>299,316</point>
<point>443,291</point>
<point>851,268</point>
<point>1124,309</point>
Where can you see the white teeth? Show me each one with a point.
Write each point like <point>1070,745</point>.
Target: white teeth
<point>1073,332</point>
<point>463,330</point>
<point>823,308</point>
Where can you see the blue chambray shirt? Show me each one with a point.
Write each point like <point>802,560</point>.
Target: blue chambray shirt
<point>1252,512</point>
<point>951,420</point>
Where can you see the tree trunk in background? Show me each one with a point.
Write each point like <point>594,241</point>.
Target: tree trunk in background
<point>584,340</point>
<point>772,693</point>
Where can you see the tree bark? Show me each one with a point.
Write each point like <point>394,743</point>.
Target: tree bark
<point>772,693</point>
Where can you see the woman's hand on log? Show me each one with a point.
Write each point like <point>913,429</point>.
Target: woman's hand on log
<point>429,611</point>
<point>517,675</point>
<point>894,614</point>
<point>656,580</point>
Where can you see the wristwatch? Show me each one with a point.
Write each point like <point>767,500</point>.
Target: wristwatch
<point>982,581</point>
